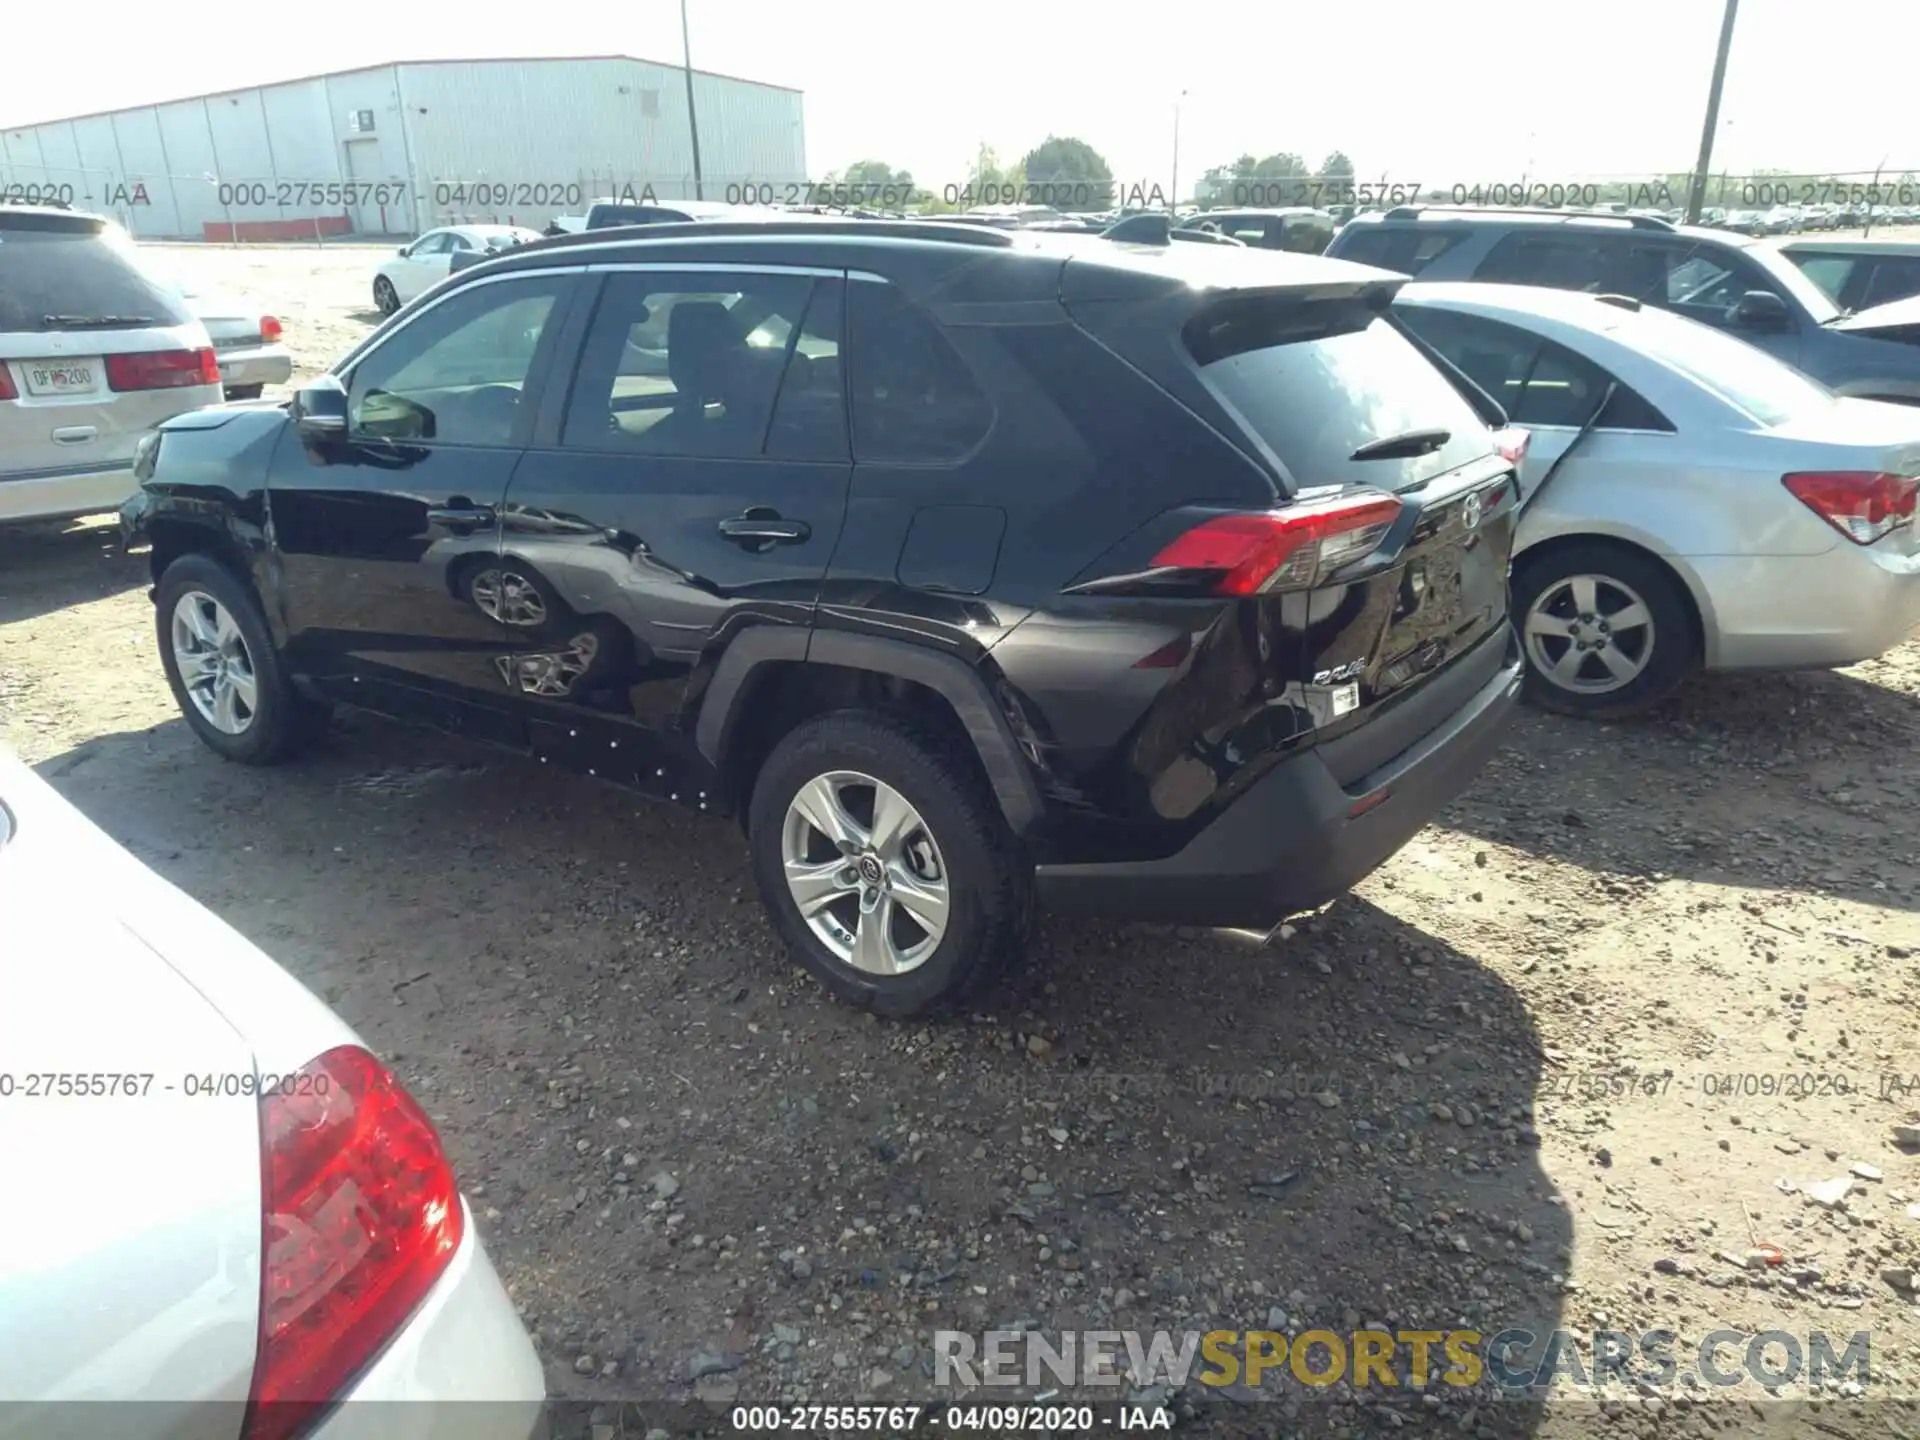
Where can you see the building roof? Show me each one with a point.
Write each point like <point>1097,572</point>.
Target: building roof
<point>390,65</point>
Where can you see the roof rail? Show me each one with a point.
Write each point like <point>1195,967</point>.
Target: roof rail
<point>1637,222</point>
<point>781,223</point>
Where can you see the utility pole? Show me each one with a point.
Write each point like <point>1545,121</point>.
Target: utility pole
<point>1697,191</point>
<point>693,121</point>
<point>1173,200</point>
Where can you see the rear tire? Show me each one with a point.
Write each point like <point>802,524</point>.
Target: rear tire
<point>385,298</point>
<point>923,911</point>
<point>234,693</point>
<point>1607,630</point>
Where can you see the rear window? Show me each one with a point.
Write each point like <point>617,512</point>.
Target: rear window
<point>61,277</point>
<point>1315,381</point>
<point>1407,249</point>
<point>1769,390</point>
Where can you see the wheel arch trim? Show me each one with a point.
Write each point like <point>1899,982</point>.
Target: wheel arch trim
<point>959,684</point>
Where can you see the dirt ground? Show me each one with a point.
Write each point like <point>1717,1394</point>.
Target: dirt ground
<point>1565,1061</point>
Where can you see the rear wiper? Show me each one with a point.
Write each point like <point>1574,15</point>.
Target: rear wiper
<point>1404,446</point>
<point>94,322</point>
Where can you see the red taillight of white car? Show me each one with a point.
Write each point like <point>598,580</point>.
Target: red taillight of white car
<point>1262,551</point>
<point>162,369</point>
<point>1862,505</point>
<point>7,392</point>
<point>269,328</point>
<point>360,1216</point>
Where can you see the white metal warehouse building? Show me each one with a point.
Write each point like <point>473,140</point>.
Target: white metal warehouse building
<point>395,149</point>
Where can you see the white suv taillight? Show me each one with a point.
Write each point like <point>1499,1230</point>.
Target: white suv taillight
<point>1260,551</point>
<point>1862,505</point>
<point>360,1216</point>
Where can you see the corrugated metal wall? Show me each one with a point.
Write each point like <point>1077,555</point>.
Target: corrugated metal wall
<point>520,140</point>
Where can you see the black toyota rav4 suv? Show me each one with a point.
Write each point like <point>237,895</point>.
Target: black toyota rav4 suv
<point>965,567</point>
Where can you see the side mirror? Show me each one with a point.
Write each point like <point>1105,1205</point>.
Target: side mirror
<point>401,249</point>
<point>320,410</point>
<point>1760,310</point>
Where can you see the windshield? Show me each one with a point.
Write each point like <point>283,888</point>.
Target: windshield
<point>1784,273</point>
<point>1744,375</point>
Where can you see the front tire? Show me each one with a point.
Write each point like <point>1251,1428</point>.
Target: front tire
<point>885,864</point>
<point>385,298</point>
<point>1607,630</point>
<point>225,674</point>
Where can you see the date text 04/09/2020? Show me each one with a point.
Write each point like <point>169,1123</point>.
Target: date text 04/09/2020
<point>138,1084</point>
<point>967,1417</point>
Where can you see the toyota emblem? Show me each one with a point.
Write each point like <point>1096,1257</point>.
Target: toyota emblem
<point>870,870</point>
<point>1470,512</point>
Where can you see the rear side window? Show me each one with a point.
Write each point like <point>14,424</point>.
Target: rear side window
<point>1557,262</point>
<point>60,277</point>
<point>1315,381</point>
<point>914,400</point>
<point>1408,250</point>
<point>1536,381</point>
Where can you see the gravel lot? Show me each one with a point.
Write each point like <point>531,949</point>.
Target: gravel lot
<point>701,1177</point>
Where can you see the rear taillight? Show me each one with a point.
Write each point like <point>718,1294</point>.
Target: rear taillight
<point>1862,505</point>
<point>162,369</point>
<point>1511,445</point>
<point>1292,549</point>
<point>7,392</point>
<point>360,1215</point>
<point>269,328</point>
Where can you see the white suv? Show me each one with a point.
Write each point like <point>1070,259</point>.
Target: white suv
<point>93,355</point>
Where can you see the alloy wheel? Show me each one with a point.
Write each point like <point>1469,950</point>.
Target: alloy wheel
<point>1589,634</point>
<point>510,598</point>
<point>216,668</point>
<point>865,872</point>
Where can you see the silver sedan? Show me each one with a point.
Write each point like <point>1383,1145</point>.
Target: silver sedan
<point>1688,501</point>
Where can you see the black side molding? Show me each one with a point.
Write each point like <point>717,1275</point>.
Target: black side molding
<point>962,686</point>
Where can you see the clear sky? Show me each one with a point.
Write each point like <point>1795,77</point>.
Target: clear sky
<point>1458,90</point>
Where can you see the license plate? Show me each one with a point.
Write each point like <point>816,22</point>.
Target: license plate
<point>67,377</point>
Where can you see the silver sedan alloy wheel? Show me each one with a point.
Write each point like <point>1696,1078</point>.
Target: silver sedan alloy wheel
<point>865,872</point>
<point>509,598</point>
<point>216,668</point>
<point>1589,634</point>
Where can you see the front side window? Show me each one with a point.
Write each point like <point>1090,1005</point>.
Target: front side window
<point>455,375</point>
<point>431,245</point>
<point>914,399</point>
<point>690,363</point>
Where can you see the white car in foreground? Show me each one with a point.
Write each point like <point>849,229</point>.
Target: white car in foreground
<point>422,264</point>
<point>1686,498</point>
<point>220,1204</point>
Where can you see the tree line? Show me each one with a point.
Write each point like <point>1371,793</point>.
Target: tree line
<point>1069,174</point>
